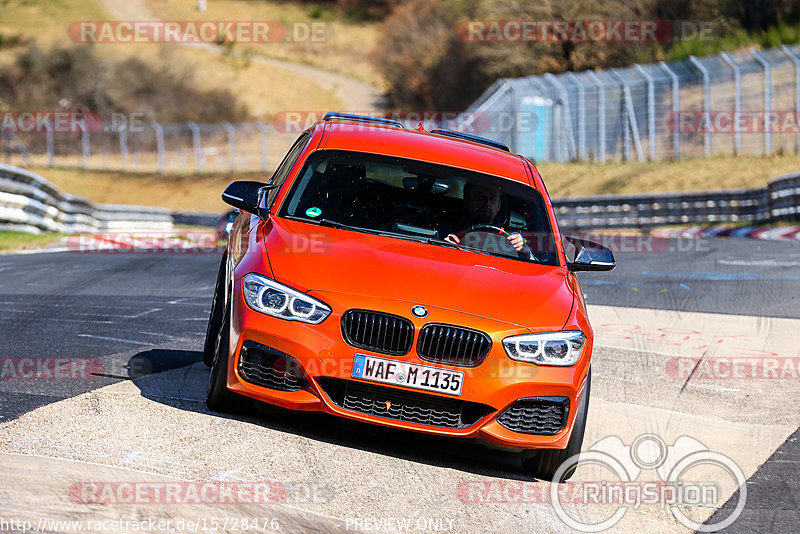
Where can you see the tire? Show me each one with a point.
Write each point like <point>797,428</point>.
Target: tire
<point>215,317</point>
<point>220,398</point>
<point>543,463</point>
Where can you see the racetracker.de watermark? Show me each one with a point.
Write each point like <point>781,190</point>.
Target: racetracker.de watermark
<point>581,31</point>
<point>209,492</point>
<point>634,493</point>
<point>733,122</point>
<point>640,243</point>
<point>145,242</point>
<point>52,121</point>
<point>195,32</point>
<point>772,367</point>
<point>295,121</point>
<point>49,368</point>
<point>176,525</point>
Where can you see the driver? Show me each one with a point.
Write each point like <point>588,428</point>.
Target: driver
<point>481,205</point>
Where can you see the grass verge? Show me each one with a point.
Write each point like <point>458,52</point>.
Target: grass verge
<point>714,173</point>
<point>343,49</point>
<point>178,192</point>
<point>17,241</point>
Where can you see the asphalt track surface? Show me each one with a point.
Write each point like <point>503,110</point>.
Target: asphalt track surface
<point>143,316</point>
<point>96,306</point>
<point>714,275</point>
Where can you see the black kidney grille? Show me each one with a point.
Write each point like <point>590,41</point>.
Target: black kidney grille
<point>378,332</point>
<point>403,405</point>
<point>257,363</point>
<point>453,345</point>
<point>536,415</point>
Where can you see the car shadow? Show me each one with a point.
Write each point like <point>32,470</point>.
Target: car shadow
<point>178,378</point>
<point>159,360</point>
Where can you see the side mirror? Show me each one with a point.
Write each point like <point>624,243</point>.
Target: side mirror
<point>247,196</point>
<point>590,256</point>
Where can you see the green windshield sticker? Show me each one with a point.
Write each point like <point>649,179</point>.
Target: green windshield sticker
<point>313,212</point>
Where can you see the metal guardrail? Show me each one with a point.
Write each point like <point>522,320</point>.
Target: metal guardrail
<point>192,218</point>
<point>778,201</point>
<point>29,203</point>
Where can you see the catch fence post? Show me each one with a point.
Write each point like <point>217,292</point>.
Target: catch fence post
<point>676,106</point>
<point>706,102</point>
<point>85,148</point>
<point>796,60</point>
<point>159,146</point>
<point>50,141</point>
<point>263,129</point>
<point>651,111</point>
<point>123,144</point>
<point>581,115</point>
<point>737,103</point>
<point>231,145</point>
<point>601,115</point>
<point>196,147</point>
<point>767,99</point>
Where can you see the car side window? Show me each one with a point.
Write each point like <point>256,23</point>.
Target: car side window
<point>286,165</point>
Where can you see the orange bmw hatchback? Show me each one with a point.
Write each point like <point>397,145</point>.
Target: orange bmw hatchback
<point>408,279</point>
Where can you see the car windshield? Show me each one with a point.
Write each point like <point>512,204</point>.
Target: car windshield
<point>434,204</point>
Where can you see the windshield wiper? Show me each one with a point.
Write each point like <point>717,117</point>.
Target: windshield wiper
<point>442,243</point>
<point>331,224</point>
<point>334,224</point>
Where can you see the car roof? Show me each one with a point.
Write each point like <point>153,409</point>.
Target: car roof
<point>376,138</point>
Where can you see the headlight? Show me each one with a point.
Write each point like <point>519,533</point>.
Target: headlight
<point>268,296</point>
<point>549,348</point>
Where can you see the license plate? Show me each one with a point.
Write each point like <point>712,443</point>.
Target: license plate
<point>406,374</point>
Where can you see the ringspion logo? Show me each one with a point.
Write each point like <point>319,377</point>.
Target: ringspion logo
<point>686,475</point>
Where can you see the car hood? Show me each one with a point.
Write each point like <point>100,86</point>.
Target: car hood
<point>313,258</point>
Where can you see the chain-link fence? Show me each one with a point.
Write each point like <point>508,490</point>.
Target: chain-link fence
<point>744,102</point>
<point>150,147</point>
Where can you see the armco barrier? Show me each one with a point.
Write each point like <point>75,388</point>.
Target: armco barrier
<point>30,203</point>
<point>195,218</point>
<point>778,201</point>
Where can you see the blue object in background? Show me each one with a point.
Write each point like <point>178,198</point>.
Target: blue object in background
<point>534,127</point>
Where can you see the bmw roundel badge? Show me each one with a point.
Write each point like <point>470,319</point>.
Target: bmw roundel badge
<point>419,311</point>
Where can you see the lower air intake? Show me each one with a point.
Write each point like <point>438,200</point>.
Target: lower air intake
<point>270,368</point>
<point>536,415</point>
<point>403,405</point>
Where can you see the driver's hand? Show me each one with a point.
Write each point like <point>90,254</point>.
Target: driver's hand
<point>453,239</point>
<point>517,241</point>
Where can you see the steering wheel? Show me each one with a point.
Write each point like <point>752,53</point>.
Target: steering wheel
<point>524,252</point>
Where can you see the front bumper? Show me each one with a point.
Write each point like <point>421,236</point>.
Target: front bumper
<point>324,365</point>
